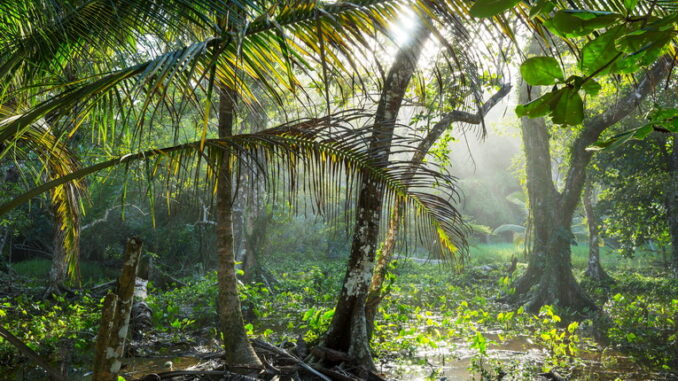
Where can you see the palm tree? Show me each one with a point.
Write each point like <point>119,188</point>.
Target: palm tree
<point>109,48</point>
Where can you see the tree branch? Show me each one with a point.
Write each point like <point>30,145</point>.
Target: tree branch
<point>456,116</point>
<point>595,126</point>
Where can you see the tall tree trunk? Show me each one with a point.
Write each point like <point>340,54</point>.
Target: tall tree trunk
<point>348,331</point>
<point>673,204</point>
<point>594,270</point>
<point>238,350</point>
<point>385,256</point>
<point>548,278</point>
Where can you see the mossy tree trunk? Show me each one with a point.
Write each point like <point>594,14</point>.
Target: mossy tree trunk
<point>115,318</point>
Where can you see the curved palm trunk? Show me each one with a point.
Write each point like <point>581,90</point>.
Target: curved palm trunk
<point>594,270</point>
<point>375,294</point>
<point>348,331</point>
<point>238,350</point>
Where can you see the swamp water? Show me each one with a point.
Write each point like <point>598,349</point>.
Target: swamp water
<point>518,356</point>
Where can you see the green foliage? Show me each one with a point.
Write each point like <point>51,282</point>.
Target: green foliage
<point>645,328</point>
<point>541,71</point>
<point>616,44</point>
<point>659,119</point>
<point>488,8</point>
<point>48,325</point>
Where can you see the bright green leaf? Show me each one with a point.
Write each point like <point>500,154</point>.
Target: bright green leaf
<point>541,71</point>
<point>540,106</point>
<point>630,5</point>
<point>569,110</point>
<point>489,8</point>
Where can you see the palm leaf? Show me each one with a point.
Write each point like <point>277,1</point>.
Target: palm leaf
<point>316,156</point>
<point>57,161</point>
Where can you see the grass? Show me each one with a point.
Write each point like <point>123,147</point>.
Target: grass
<point>498,253</point>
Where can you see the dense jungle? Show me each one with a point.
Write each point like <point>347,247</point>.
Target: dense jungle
<point>334,190</point>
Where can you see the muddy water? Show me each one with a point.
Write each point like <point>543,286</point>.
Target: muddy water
<point>520,357</point>
<point>133,368</point>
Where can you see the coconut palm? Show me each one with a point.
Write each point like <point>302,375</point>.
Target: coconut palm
<point>119,63</point>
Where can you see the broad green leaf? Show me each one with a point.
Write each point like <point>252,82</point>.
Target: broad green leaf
<point>630,5</point>
<point>590,87</point>
<point>637,41</point>
<point>542,7</point>
<point>600,52</point>
<point>489,8</point>
<point>541,71</point>
<point>538,107</point>
<point>569,23</point>
<point>569,110</point>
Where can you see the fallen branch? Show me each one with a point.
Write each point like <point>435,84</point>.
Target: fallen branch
<point>284,353</point>
<point>332,355</point>
<point>177,373</point>
<point>28,352</point>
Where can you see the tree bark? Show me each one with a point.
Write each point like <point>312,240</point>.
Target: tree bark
<point>673,204</point>
<point>238,350</point>
<point>348,331</point>
<point>115,318</point>
<point>594,270</point>
<point>548,278</point>
<point>385,255</point>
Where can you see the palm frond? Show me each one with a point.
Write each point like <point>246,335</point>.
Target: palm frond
<point>316,156</point>
<point>268,47</point>
<point>57,161</point>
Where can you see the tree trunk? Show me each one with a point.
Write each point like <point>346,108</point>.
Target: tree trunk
<point>375,295</point>
<point>673,204</point>
<point>115,318</point>
<point>238,350</point>
<point>549,278</point>
<point>594,270</point>
<point>348,331</point>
